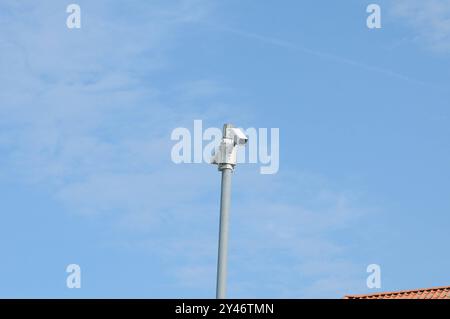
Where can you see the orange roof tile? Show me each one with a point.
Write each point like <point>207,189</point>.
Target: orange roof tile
<point>427,293</point>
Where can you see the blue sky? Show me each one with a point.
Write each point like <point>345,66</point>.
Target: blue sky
<point>85,169</point>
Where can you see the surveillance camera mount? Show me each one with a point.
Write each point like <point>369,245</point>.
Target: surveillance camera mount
<point>225,156</point>
<point>225,159</point>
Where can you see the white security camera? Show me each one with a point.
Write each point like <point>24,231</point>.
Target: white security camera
<point>225,154</point>
<point>237,135</point>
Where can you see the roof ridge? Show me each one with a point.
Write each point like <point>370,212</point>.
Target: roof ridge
<point>398,292</point>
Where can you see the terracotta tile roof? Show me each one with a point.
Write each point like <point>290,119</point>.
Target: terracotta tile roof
<point>427,293</point>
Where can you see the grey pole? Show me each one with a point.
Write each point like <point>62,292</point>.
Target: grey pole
<point>225,201</point>
<point>226,159</point>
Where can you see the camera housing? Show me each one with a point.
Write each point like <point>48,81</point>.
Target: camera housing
<point>225,154</point>
<point>237,135</point>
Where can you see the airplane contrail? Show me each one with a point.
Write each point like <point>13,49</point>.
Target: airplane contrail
<point>324,55</point>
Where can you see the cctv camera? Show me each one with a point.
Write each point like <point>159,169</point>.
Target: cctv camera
<point>237,135</point>
<point>226,153</point>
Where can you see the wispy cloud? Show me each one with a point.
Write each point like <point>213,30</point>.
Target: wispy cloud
<point>430,19</point>
<point>76,102</point>
<point>81,115</point>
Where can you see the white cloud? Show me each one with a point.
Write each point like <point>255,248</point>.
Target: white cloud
<point>75,102</point>
<point>80,118</point>
<point>430,19</point>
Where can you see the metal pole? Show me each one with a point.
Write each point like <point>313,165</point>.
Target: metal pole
<point>226,159</point>
<point>225,200</point>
